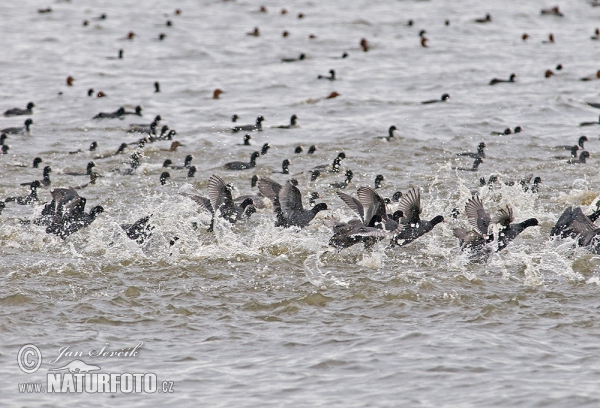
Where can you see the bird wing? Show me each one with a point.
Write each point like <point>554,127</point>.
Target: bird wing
<point>354,204</point>
<point>372,203</point>
<point>580,223</point>
<point>290,199</point>
<point>504,217</point>
<point>410,205</point>
<point>269,189</point>
<point>218,193</point>
<point>201,201</point>
<point>477,215</point>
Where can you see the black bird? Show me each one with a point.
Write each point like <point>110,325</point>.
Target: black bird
<point>2,207</point>
<point>138,111</point>
<point>509,231</point>
<point>414,227</point>
<point>292,124</point>
<point>241,165</point>
<point>35,165</point>
<point>287,203</point>
<point>247,138</point>
<point>444,98</point>
<point>344,184</point>
<point>191,171</point>
<point>70,215</point>
<point>298,149</point>
<point>144,128</point>
<point>119,113</point>
<point>508,131</point>
<point>580,142</point>
<point>46,178</point>
<point>594,104</point>
<point>28,199</point>
<point>88,170</point>
<point>572,223</point>
<point>312,149</point>
<point>476,239</point>
<point>335,167</point>
<point>369,205</point>
<point>5,149</point>
<point>379,179</point>
<point>498,81</point>
<point>19,111</point>
<point>18,130</point>
<point>156,87</point>
<point>120,150</point>
<point>480,152</point>
<point>582,157</point>
<point>134,163</point>
<point>93,178</point>
<point>574,150</point>
<point>284,167</point>
<point>93,147</point>
<point>234,118</point>
<point>581,124</point>
<point>186,163</point>
<point>3,137</point>
<point>163,177</point>
<point>390,134</point>
<point>265,148</point>
<point>475,166</point>
<point>314,174</point>
<point>250,128</point>
<point>300,58</point>
<point>220,201</point>
<point>331,76</point>
<point>139,231</point>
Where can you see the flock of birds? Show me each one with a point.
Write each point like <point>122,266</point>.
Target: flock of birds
<point>396,219</point>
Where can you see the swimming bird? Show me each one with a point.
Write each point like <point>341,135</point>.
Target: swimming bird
<point>335,167</point>
<point>186,163</point>
<point>134,163</point>
<point>163,177</point>
<point>554,11</point>
<point>265,148</point>
<point>285,167</point>
<point>18,130</point>
<point>414,227</point>
<point>591,77</point>
<point>300,58</point>
<point>28,199</point>
<point>312,149</point>
<point>255,32</point>
<point>580,142</point>
<point>596,35</point>
<point>156,87</point>
<point>241,165</point>
<point>297,150</point>
<point>3,138</point>
<point>475,166</point>
<point>18,111</point>
<point>290,203</point>
<point>594,104</point>
<point>508,131</point>
<point>444,98</point>
<point>499,81</point>
<point>590,123</point>
<point>35,165</point>
<point>216,93</point>
<point>292,124</point>
<point>487,19</point>
<point>138,111</point>
<point>347,180</point>
<point>331,76</point>
<point>390,135</point>
<point>250,128</point>
<point>145,128</point>
<point>139,231</point>
<point>550,39</point>
<point>93,178</point>
<point>480,152</point>
<point>119,113</point>
<point>93,147</point>
<point>45,180</point>
<point>247,138</point>
<point>120,150</point>
<point>191,171</point>
<point>582,157</point>
<point>314,174</point>
<point>379,179</point>
<point>4,149</point>
<point>89,168</point>
<point>574,150</point>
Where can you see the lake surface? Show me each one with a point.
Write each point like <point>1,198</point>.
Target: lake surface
<point>254,315</point>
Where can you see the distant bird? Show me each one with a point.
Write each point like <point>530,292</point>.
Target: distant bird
<point>414,227</point>
<point>499,81</point>
<point>242,165</point>
<point>17,111</point>
<point>137,111</point>
<point>216,93</point>
<point>255,32</point>
<point>186,163</point>
<point>300,58</point>
<point>93,147</point>
<point>331,76</point>
<point>31,198</point>
<point>88,171</point>
<point>45,181</point>
<point>18,130</point>
<point>250,128</point>
<point>287,202</point>
<point>69,214</point>
<point>35,165</point>
<point>590,123</point>
<point>265,148</point>
<point>582,157</point>
<point>120,150</point>
<point>145,128</point>
<point>487,19</point>
<point>552,11</point>
<point>594,104</point>
<point>164,177</point>
<point>247,138</point>
<point>508,131</point>
<point>314,174</point>
<point>119,113</point>
<point>298,149</point>
<point>475,166</point>
<point>424,42</point>
<point>596,35</point>
<point>139,231</point>
<point>574,150</point>
<point>591,77</point>
<point>285,167</point>
<point>379,179</point>
<point>580,142</point>
<point>156,87</point>
<point>312,149</point>
<point>550,39</point>
<point>292,124</point>
<point>479,154</point>
<point>347,180</point>
<point>444,98</point>
<point>335,167</point>
<point>390,135</point>
<point>364,44</point>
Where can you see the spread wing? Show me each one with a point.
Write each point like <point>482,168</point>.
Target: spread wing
<point>353,203</point>
<point>579,222</point>
<point>201,201</point>
<point>290,199</point>
<point>218,193</point>
<point>478,217</point>
<point>504,217</point>
<point>372,203</point>
<point>269,189</point>
<point>410,205</point>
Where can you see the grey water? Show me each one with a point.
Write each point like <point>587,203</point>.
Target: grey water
<point>255,315</point>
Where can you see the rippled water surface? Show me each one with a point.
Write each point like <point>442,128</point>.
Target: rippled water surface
<point>255,315</point>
